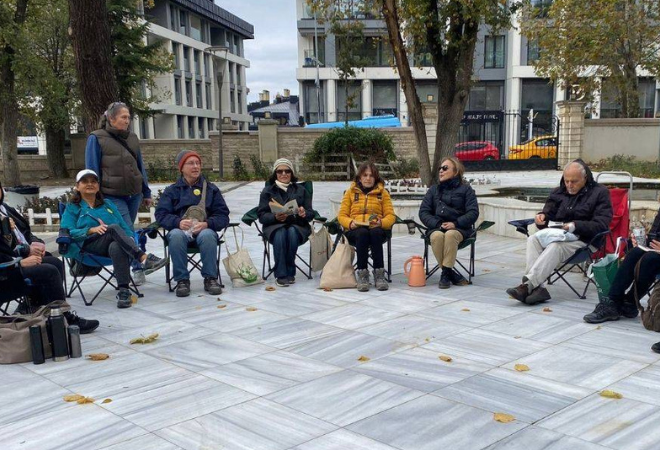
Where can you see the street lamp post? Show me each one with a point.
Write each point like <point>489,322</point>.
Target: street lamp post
<point>220,53</point>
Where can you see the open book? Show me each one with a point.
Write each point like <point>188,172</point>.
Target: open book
<point>372,218</point>
<point>290,207</point>
<point>553,224</point>
<point>647,249</point>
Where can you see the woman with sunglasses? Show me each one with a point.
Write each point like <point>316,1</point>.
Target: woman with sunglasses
<point>285,230</point>
<point>113,152</point>
<point>449,211</point>
<point>366,212</point>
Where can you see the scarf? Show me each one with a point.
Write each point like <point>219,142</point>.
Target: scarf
<point>365,189</point>
<point>283,186</point>
<point>121,133</point>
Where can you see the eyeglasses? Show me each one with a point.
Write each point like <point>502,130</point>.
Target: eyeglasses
<point>193,163</point>
<point>444,168</point>
<point>283,172</point>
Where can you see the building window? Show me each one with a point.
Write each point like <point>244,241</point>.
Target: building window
<point>494,55</point>
<point>352,102</point>
<point>207,66</point>
<point>542,7</point>
<point>239,82</point>
<point>533,52</point>
<point>195,28</point>
<point>231,72</point>
<point>232,101</point>
<point>211,127</point>
<point>177,58</point>
<point>486,96</point>
<point>198,69</point>
<point>610,107</point>
<point>183,26</point>
<point>200,128</point>
<point>385,98</point>
<point>189,96</point>
<point>311,98</point>
<point>427,91</point>
<point>173,16</point>
<point>191,128</point>
<point>144,128</point>
<point>537,94</point>
<point>198,94</point>
<point>177,90</point>
<point>179,127</point>
<point>240,103</point>
<point>186,58</point>
<point>209,100</point>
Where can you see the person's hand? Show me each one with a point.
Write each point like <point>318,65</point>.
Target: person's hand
<point>539,219</point>
<point>567,226</point>
<point>101,229</point>
<point>12,224</point>
<point>281,217</point>
<point>199,227</point>
<point>301,212</point>
<point>185,224</point>
<point>148,202</point>
<point>655,245</point>
<point>31,261</point>
<point>448,226</point>
<point>37,249</point>
<point>377,223</point>
<point>353,225</point>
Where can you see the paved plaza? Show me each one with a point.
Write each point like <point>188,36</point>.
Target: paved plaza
<point>300,368</point>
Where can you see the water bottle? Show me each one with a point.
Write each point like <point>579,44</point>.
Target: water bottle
<point>189,231</point>
<point>37,345</point>
<point>56,326</point>
<point>75,350</point>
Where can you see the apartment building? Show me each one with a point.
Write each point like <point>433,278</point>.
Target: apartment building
<point>504,77</point>
<point>193,31</point>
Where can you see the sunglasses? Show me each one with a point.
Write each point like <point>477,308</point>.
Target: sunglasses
<point>282,172</point>
<point>444,168</point>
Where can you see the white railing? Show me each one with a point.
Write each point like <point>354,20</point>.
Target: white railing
<point>53,219</point>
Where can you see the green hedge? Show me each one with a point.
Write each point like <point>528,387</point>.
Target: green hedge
<point>358,141</point>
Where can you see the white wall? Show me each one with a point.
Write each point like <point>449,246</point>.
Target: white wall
<point>604,138</point>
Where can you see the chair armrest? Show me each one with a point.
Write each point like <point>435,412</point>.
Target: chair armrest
<point>11,264</point>
<point>521,225</point>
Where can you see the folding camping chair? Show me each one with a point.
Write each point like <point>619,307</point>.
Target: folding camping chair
<point>15,287</point>
<point>250,218</point>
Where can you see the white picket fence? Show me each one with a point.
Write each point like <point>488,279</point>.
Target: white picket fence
<point>53,219</point>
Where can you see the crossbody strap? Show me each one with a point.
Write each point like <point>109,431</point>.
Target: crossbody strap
<point>124,144</point>
<point>202,201</point>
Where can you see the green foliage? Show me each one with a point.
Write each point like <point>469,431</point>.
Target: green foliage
<point>239,171</point>
<point>368,142</point>
<point>260,170</point>
<point>162,170</point>
<point>627,163</point>
<point>39,204</point>
<point>406,168</point>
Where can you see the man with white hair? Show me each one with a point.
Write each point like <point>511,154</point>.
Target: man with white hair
<point>582,209</point>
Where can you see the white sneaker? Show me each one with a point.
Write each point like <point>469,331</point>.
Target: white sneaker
<point>138,277</point>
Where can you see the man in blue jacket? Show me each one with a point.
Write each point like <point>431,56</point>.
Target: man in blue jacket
<point>183,228</point>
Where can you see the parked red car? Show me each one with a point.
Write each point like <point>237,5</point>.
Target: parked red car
<point>476,151</point>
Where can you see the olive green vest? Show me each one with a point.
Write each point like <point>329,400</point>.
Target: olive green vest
<point>120,175</point>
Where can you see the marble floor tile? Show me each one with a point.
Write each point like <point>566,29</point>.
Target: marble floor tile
<point>146,442</point>
<point>255,425</point>
<point>620,343</point>
<point>233,319</point>
<point>298,305</point>
<point>345,397</point>
<point>528,399</point>
<point>534,438</point>
<point>619,424</point>
<point>169,333</point>
<point>271,372</point>
<point>479,314</point>
<point>406,303</point>
<point>204,353</point>
<point>413,329</point>
<point>485,346</point>
<point>567,309</point>
<point>421,369</point>
<point>578,367</point>
<point>343,440</point>
<point>543,328</point>
<point>120,319</point>
<point>643,385</point>
<point>424,424</point>
<point>83,427</point>
<point>287,333</point>
<point>31,397</point>
<point>345,348</point>
<point>352,316</point>
<point>351,295</point>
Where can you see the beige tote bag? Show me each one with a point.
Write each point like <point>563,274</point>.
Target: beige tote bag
<point>320,245</point>
<point>239,265</point>
<point>338,273</point>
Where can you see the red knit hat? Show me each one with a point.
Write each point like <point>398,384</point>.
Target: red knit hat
<point>183,156</point>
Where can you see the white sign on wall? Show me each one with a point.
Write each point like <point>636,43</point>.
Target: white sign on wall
<point>27,142</point>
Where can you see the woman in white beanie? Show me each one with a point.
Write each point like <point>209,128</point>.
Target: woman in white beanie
<point>285,231</point>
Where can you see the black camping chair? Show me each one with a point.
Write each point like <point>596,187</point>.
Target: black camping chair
<point>15,286</point>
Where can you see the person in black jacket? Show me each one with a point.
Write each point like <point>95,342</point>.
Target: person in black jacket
<point>583,208</point>
<point>43,269</point>
<point>449,211</point>
<point>285,231</point>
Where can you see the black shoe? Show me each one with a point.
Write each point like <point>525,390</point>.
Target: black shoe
<point>124,298</point>
<point>182,288</point>
<point>212,286</point>
<point>457,279</point>
<point>445,278</point>
<point>519,292</point>
<point>154,263</point>
<point>86,325</point>
<point>656,347</point>
<point>282,282</point>
<point>628,310</point>
<point>291,280</point>
<point>603,313</point>
<point>538,295</point>
<point>22,309</point>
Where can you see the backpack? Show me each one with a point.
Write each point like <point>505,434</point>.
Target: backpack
<point>197,212</point>
<point>651,315</point>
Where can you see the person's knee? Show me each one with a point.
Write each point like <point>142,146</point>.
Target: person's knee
<point>115,229</point>
<point>437,237</point>
<point>176,235</point>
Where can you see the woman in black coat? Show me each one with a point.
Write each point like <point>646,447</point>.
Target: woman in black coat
<point>449,211</point>
<point>285,231</point>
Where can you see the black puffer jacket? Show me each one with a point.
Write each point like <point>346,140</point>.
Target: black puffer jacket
<point>450,201</point>
<point>9,247</point>
<point>294,191</point>
<point>590,209</point>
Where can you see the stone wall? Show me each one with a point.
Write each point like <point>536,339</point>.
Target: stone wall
<point>604,138</point>
<point>35,167</point>
<point>165,150</point>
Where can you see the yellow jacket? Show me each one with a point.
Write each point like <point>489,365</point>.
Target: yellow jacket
<point>356,205</point>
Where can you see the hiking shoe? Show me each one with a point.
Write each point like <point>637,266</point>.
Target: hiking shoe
<point>282,282</point>
<point>86,325</point>
<point>445,278</point>
<point>291,280</point>
<point>628,310</point>
<point>138,277</point>
<point>656,347</point>
<point>519,292</point>
<point>154,263</point>
<point>457,279</point>
<point>603,313</point>
<point>182,288</point>
<point>362,280</point>
<point>379,280</point>
<point>212,286</point>
<point>538,295</point>
<point>124,298</point>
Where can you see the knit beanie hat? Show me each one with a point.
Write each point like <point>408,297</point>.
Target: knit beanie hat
<point>183,156</point>
<point>283,162</point>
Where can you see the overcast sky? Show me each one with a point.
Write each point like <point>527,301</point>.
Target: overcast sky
<point>273,53</point>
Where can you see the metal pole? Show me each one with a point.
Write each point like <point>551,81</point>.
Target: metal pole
<point>220,153</point>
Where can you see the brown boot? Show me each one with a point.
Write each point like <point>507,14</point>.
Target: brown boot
<point>519,292</point>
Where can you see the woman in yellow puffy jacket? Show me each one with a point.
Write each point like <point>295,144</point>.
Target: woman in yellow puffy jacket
<point>366,212</point>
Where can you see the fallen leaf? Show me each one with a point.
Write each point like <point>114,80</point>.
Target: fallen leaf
<point>107,400</point>
<point>503,418</point>
<point>270,288</point>
<point>84,400</point>
<point>427,339</point>
<point>145,340</point>
<point>134,299</point>
<point>486,270</point>
<point>517,337</point>
<point>251,308</point>
<point>98,356</point>
<point>363,359</point>
<point>327,290</point>
<point>610,394</point>
<point>222,306</point>
<point>445,358</point>
<point>598,327</point>
<point>546,309</point>
<point>73,397</point>
<point>466,309</point>
<point>521,367</point>
<point>220,300</point>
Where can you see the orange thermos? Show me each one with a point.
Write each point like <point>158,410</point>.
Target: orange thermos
<point>413,269</point>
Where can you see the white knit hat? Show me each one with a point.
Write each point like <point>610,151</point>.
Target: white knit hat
<point>283,162</point>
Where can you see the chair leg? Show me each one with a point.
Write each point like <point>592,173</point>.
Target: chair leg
<point>389,260</point>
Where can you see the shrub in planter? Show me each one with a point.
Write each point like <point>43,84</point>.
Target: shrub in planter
<point>363,142</point>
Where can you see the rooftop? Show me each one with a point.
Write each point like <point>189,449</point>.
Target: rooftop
<point>210,10</point>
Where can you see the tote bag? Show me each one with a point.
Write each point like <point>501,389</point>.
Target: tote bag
<point>320,248</point>
<point>338,273</point>
<point>239,265</point>
<point>604,270</point>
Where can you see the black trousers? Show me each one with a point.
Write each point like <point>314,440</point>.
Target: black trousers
<point>46,281</point>
<point>625,276</point>
<point>363,239</point>
<point>121,248</point>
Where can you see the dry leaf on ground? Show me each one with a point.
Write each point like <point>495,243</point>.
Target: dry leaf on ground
<point>84,400</point>
<point>503,418</point>
<point>546,309</point>
<point>517,337</point>
<point>598,327</point>
<point>222,306</point>
<point>363,358</point>
<point>145,340</point>
<point>134,299</point>
<point>98,356</point>
<point>610,394</point>
<point>107,400</point>
<point>466,309</point>
<point>521,367</point>
<point>198,307</point>
<point>250,308</point>
<point>270,288</point>
<point>73,397</point>
<point>445,358</point>
<point>327,290</point>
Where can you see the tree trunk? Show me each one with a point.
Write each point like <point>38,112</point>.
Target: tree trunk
<point>90,36</point>
<point>391,15</point>
<point>9,107</point>
<point>346,102</point>
<point>55,144</point>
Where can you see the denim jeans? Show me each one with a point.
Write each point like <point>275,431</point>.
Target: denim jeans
<point>128,207</point>
<point>285,246</point>
<point>206,241</point>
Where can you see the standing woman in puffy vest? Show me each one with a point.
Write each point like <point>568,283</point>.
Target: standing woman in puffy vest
<point>113,152</point>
